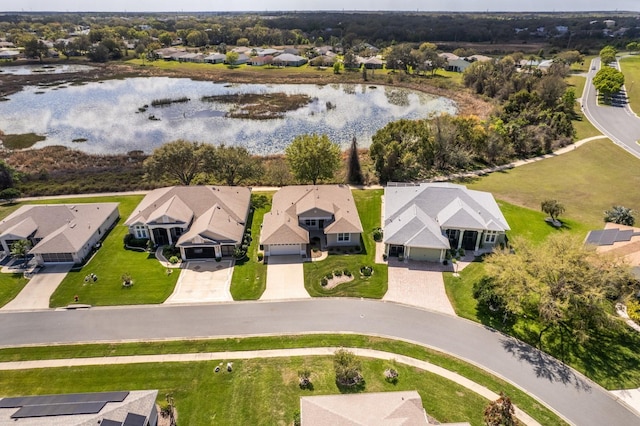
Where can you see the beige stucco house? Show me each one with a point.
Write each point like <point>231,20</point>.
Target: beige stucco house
<point>59,233</point>
<point>204,222</point>
<point>423,221</point>
<point>327,212</point>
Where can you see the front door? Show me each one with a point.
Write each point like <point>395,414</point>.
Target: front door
<point>160,236</point>
<point>396,250</point>
<point>469,240</point>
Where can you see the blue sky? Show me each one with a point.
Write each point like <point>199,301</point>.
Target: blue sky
<point>244,5</point>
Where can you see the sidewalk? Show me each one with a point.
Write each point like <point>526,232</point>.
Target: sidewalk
<point>269,353</point>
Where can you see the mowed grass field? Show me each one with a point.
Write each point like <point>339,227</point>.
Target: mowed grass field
<point>631,69</point>
<point>587,181</point>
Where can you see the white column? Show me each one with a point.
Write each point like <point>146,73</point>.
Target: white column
<point>460,239</point>
<point>478,240</point>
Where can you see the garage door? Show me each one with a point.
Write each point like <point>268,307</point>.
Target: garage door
<point>283,249</point>
<point>200,253</point>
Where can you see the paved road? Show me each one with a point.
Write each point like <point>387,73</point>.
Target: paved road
<point>576,398</point>
<point>618,123</point>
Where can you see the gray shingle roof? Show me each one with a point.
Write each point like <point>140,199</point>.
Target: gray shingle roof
<point>419,213</point>
<point>61,228</point>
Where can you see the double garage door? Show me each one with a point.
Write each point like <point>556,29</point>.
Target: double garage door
<point>283,249</point>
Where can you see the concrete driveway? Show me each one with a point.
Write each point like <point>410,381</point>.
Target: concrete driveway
<point>205,281</point>
<point>285,279</point>
<point>38,291</point>
<point>418,284</point>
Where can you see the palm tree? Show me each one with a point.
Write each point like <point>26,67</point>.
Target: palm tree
<point>20,249</point>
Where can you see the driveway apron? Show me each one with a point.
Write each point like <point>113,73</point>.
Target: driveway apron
<point>285,279</point>
<point>202,282</point>
<point>418,284</point>
<point>36,294</point>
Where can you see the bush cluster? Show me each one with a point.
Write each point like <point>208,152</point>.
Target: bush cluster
<point>131,241</point>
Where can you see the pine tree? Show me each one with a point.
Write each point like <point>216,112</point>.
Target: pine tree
<point>354,174</point>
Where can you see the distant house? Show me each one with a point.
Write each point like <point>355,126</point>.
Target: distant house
<point>545,65</point>
<point>215,58</point>
<point>268,52</point>
<point>9,54</point>
<point>261,60</point>
<point>192,57</point>
<point>620,241</point>
<point>128,408</point>
<point>373,63</point>
<point>204,222</point>
<point>242,59</point>
<point>327,212</point>
<point>289,60</point>
<point>375,408</point>
<point>59,233</point>
<point>457,65</point>
<point>609,23</point>
<point>423,221</point>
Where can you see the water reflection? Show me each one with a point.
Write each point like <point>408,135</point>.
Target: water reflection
<point>110,115</point>
<point>43,69</point>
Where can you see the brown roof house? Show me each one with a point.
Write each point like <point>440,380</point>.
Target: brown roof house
<point>204,222</point>
<point>327,212</point>
<point>59,233</point>
<point>364,409</point>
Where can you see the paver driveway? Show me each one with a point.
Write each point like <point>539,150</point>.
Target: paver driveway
<point>285,278</point>
<point>205,281</point>
<point>36,294</point>
<point>418,284</point>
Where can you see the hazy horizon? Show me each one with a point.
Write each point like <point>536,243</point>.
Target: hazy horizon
<point>317,5</point>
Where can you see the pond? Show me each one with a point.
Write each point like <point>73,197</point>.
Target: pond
<point>117,116</point>
<point>44,69</point>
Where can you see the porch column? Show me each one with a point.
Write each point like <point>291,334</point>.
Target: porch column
<point>183,256</point>
<point>460,238</point>
<point>216,251</point>
<point>478,240</point>
<point>169,236</point>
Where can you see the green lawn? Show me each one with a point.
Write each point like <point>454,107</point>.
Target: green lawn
<point>368,203</point>
<point>587,181</point>
<point>10,286</point>
<point>152,284</point>
<point>250,276</point>
<point>189,389</point>
<point>631,70</point>
<point>257,392</point>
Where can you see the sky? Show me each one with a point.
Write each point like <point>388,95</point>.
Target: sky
<point>273,5</point>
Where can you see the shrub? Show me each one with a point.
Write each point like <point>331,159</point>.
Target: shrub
<point>131,241</point>
<point>324,282</point>
<point>9,194</point>
<point>169,251</point>
<point>377,234</point>
<point>239,252</point>
<point>347,367</point>
<point>305,378</point>
<point>329,276</point>
<point>218,259</point>
<point>174,259</point>
<point>633,310</point>
<point>391,375</point>
<point>366,271</point>
<point>260,257</point>
<point>337,273</point>
<point>347,272</point>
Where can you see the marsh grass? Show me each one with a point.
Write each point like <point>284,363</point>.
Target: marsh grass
<point>21,141</point>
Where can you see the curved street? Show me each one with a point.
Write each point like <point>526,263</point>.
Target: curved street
<point>619,123</point>
<point>576,398</point>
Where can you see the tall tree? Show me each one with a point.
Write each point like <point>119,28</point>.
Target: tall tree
<point>313,157</point>
<point>608,81</point>
<point>620,215</point>
<point>233,164</point>
<point>354,173</point>
<point>608,55</point>
<point>179,160</point>
<point>561,284</point>
<point>553,208</point>
<point>20,249</point>
<point>347,367</point>
<point>34,48</point>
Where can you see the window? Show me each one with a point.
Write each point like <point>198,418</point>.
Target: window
<point>344,237</point>
<point>490,236</point>
<point>310,222</point>
<point>141,231</point>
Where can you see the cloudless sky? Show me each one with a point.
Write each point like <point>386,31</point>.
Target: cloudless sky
<point>272,5</point>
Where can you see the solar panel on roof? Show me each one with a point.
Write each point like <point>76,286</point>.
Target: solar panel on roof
<point>107,422</point>
<point>134,420</point>
<point>594,237</point>
<point>59,409</point>
<point>63,399</point>
<point>624,235</point>
<point>608,237</point>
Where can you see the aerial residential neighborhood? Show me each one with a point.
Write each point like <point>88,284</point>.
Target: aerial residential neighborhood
<point>319,217</point>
